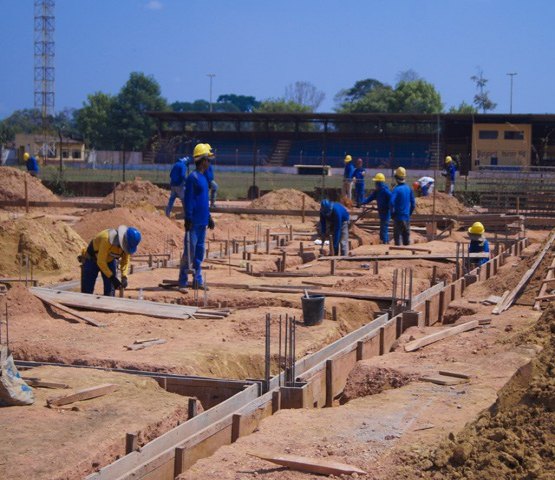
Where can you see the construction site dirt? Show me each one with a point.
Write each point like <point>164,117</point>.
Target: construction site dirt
<point>396,407</point>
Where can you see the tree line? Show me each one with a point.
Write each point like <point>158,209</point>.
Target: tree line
<point>118,122</point>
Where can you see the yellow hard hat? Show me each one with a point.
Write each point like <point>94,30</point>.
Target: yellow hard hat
<point>380,177</point>
<point>201,150</point>
<point>400,172</point>
<point>26,156</point>
<point>211,154</point>
<point>448,159</point>
<point>477,228</point>
<point>348,158</point>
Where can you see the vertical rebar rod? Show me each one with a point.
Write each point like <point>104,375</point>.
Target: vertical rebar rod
<point>267,353</point>
<point>294,349</point>
<point>279,351</point>
<point>285,340</point>
<point>205,292</point>
<point>410,289</point>
<point>457,265</point>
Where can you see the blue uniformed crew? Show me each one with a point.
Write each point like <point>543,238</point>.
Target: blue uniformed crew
<point>197,218</point>
<point>382,195</point>
<point>348,173</point>
<point>334,220</point>
<point>178,175</point>
<point>103,253</point>
<point>31,164</point>
<point>358,176</point>
<point>402,206</point>
<point>449,172</point>
<point>478,244</point>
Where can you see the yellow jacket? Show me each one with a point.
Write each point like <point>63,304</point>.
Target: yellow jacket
<point>106,251</point>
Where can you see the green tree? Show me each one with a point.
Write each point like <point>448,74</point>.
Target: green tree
<point>416,96</point>
<point>280,105</point>
<point>242,103</point>
<point>304,93</point>
<point>380,99</point>
<point>463,108</point>
<point>27,120</point>
<point>196,106</point>
<point>481,99</point>
<point>357,92</point>
<point>94,121</point>
<point>7,133</point>
<point>65,121</point>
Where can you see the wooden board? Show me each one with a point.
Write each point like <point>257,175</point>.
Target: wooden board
<point>72,312</point>
<point>37,382</point>
<point>442,380</point>
<point>310,465</point>
<point>434,337</point>
<point>84,394</point>
<point>141,345</point>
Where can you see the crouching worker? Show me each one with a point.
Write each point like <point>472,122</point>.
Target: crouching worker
<point>423,187</point>
<point>103,253</point>
<point>478,244</point>
<point>334,220</point>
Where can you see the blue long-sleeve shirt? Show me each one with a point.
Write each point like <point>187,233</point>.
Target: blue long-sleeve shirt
<point>349,171</point>
<point>359,175</point>
<point>382,195</point>
<point>32,164</point>
<point>178,173</point>
<point>479,246</point>
<point>402,202</point>
<point>209,174</point>
<point>196,199</point>
<point>339,214</point>
<point>450,170</point>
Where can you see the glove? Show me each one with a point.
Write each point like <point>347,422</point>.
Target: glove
<point>188,225</point>
<point>211,223</point>
<point>115,282</point>
<point>124,282</point>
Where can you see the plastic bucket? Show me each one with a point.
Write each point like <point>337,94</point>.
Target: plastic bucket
<point>313,310</point>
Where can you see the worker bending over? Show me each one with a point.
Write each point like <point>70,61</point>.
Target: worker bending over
<point>197,218</point>
<point>382,195</point>
<point>31,164</point>
<point>334,220</point>
<point>348,174</point>
<point>358,176</point>
<point>402,206</point>
<point>103,253</point>
<point>209,174</point>
<point>478,244</point>
<point>178,175</point>
<point>423,186</point>
<point>449,173</point>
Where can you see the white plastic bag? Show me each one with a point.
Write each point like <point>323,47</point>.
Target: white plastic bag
<point>13,390</point>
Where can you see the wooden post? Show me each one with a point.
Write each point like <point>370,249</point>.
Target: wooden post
<point>192,408</point>
<point>329,383</point>
<point>267,241</point>
<point>376,268</point>
<point>291,232</point>
<point>382,340</point>
<point>302,248</point>
<point>179,461</point>
<point>283,261</point>
<point>332,267</point>
<point>303,209</point>
<point>276,401</point>
<point>441,308</point>
<point>131,442</point>
<point>360,350</point>
<point>26,195</point>
<point>427,312</point>
<point>236,427</point>
<point>334,313</point>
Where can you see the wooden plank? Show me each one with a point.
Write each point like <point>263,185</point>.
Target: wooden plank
<point>84,394</point>
<point>434,337</point>
<point>37,382</point>
<point>500,302</point>
<point>448,373</point>
<point>442,380</point>
<point>310,465</point>
<point>408,247</point>
<point>325,293</point>
<point>545,297</point>
<point>370,258</point>
<point>72,312</point>
<point>140,346</point>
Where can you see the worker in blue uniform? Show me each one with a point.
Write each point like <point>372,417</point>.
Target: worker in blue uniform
<point>450,169</point>
<point>403,204</point>
<point>103,253</point>
<point>31,164</point>
<point>212,185</point>
<point>334,220</point>
<point>358,176</point>
<point>197,219</point>
<point>382,195</point>
<point>348,173</point>
<point>478,244</point>
<point>178,175</point>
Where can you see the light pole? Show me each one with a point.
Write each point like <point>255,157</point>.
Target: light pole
<point>511,104</point>
<point>211,75</point>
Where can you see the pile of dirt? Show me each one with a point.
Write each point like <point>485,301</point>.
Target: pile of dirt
<point>12,186</point>
<point>445,205</point>
<point>285,199</point>
<point>136,192</point>
<point>159,233</point>
<point>364,380</point>
<point>51,246</point>
<point>377,283</point>
<point>514,439</point>
<point>21,301</point>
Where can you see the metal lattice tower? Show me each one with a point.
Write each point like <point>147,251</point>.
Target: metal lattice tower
<point>44,58</point>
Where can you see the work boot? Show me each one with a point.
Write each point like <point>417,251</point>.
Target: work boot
<point>198,285</point>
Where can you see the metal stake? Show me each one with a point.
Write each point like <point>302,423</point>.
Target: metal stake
<point>267,353</point>
<point>279,352</point>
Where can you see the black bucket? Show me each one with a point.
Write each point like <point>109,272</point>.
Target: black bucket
<point>313,309</point>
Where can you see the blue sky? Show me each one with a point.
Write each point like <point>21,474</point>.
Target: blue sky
<point>258,47</point>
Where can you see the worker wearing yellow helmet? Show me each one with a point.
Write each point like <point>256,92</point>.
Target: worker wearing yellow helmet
<point>382,195</point>
<point>450,169</point>
<point>402,206</point>
<point>31,164</point>
<point>478,244</point>
<point>348,175</point>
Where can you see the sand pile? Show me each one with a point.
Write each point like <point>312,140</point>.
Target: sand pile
<point>52,246</point>
<point>159,233</point>
<point>12,181</point>
<point>514,439</point>
<point>285,199</point>
<point>445,205</point>
<point>137,192</point>
<point>22,302</point>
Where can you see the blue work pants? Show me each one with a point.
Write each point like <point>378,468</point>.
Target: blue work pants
<point>401,232</point>
<point>359,193</point>
<point>175,192</point>
<point>193,240</point>
<point>384,229</point>
<point>90,273</point>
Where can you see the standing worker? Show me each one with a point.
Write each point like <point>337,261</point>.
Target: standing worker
<point>478,244</point>
<point>423,186</point>
<point>212,185</point>
<point>449,174</point>
<point>348,177</point>
<point>31,164</point>
<point>402,206</point>
<point>382,195</point>
<point>334,220</point>
<point>101,255</point>
<point>359,182</point>
<point>197,218</point>
<point>178,175</point>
